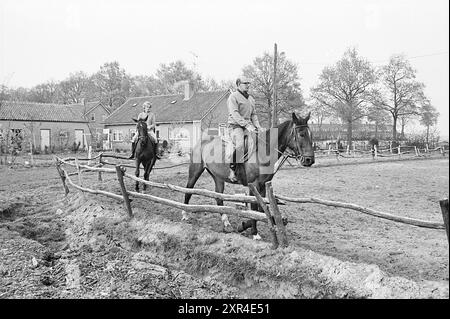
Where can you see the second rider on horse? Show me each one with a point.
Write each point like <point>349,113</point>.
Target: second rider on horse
<point>150,119</point>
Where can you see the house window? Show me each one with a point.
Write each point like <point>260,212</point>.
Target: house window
<point>178,133</point>
<point>93,117</point>
<point>117,136</point>
<point>223,131</point>
<point>132,132</point>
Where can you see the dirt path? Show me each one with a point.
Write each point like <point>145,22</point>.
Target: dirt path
<point>66,248</point>
<point>44,253</point>
<point>411,188</point>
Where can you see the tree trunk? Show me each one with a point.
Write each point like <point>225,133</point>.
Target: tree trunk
<point>349,133</point>
<point>402,134</point>
<point>269,113</point>
<point>428,132</point>
<point>376,129</point>
<point>394,129</point>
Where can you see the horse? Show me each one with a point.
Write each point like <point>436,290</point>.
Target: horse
<point>291,138</point>
<point>145,152</point>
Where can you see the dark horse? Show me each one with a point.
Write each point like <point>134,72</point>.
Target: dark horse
<point>145,152</point>
<point>291,138</point>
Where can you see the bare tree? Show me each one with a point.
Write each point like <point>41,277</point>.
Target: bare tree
<point>113,84</point>
<point>378,116</point>
<point>399,93</point>
<point>45,93</point>
<point>169,74</point>
<point>75,87</point>
<point>428,117</point>
<point>289,94</point>
<point>344,89</point>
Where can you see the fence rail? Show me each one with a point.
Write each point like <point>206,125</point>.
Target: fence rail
<point>270,216</point>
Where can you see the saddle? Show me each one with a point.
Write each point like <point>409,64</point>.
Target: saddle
<point>237,165</point>
<point>227,144</point>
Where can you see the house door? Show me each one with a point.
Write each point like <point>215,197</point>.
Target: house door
<point>45,139</point>
<point>79,138</point>
<point>106,139</point>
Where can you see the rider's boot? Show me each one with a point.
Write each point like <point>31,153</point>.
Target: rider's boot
<point>232,176</point>
<point>133,149</point>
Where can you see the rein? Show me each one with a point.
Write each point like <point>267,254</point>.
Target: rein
<point>292,135</point>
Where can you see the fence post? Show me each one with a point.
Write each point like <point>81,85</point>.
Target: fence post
<point>415,150</point>
<point>444,209</point>
<point>329,149</point>
<point>63,177</point>
<point>375,151</point>
<point>390,147</point>
<point>348,149</point>
<point>100,173</point>
<point>266,211</point>
<point>31,154</point>
<point>79,171</point>
<point>89,154</point>
<point>126,199</point>
<point>426,148</point>
<point>399,151</point>
<point>281,230</point>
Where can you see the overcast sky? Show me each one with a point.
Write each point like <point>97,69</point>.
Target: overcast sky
<point>46,40</point>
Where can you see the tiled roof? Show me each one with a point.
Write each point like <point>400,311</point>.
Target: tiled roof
<point>168,108</point>
<point>92,105</point>
<point>30,111</point>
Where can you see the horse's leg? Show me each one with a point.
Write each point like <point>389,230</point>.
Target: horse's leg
<point>136,173</point>
<point>220,186</point>
<point>195,171</point>
<point>251,223</point>
<point>147,169</point>
<point>254,231</point>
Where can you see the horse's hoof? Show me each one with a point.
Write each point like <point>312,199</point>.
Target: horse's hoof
<point>184,216</point>
<point>256,237</point>
<point>228,228</point>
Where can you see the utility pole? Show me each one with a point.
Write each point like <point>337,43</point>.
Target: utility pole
<point>274,101</point>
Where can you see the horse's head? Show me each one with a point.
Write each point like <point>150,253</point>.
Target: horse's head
<point>141,128</point>
<point>300,141</point>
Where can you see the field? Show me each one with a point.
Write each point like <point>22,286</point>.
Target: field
<point>36,218</point>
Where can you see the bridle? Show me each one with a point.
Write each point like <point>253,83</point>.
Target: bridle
<point>144,137</point>
<point>289,152</point>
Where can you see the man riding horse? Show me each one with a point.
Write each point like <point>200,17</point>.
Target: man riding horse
<point>242,120</point>
<point>270,148</point>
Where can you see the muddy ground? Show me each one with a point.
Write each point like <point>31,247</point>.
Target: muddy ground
<point>84,246</point>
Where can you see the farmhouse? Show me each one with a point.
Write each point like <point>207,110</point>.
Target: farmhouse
<point>49,126</point>
<point>181,119</point>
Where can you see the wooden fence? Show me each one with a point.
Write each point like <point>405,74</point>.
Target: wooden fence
<point>270,215</point>
<point>399,152</point>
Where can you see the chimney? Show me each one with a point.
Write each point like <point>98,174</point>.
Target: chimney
<point>188,90</point>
